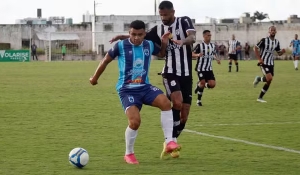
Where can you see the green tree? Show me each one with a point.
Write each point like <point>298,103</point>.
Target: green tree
<point>259,16</point>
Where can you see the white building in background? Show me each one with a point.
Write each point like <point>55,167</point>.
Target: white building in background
<point>33,20</point>
<point>57,19</point>
<point>211,20</point>
<point>106,27</point>
<point>87,17</point>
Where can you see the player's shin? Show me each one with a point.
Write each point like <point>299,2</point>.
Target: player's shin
<point>237,66</point>
<point>296,63</point>
<point>229,66</point>
<point>130,136</point>
<point>264,90</point>
<point>176,122</point>
<point>200,93</point>
<point>167,125</point>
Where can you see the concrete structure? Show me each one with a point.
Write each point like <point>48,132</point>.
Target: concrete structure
<point>33,20</point>
<point>246,18</point>
<point>57,19</point>
<point>293,19</point>
<point>107,27</point>
<point>96,36</point>
<point>87,17</point>
<point>19,35</point>
<point>250,33</point>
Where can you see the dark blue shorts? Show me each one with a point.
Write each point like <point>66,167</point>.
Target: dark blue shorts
<point>138,96</point>
<point>296,54</point>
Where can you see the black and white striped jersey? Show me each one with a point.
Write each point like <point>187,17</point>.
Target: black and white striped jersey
<point>232,45</point>
<point>178,60</point>
<point>267,47</point>
<point>204,63</point>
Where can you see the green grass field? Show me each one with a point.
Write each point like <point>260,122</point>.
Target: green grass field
<point>49,108</point>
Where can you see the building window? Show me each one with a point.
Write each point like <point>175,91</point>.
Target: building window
<point>126,27</point>
<point>108,27</point>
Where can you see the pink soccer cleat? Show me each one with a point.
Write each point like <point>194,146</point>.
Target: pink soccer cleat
<point>172,146</point>
<point>130,159</point>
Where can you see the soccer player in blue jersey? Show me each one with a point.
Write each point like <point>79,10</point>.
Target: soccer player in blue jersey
<point>296,50</point>
<point>134,88</point>
<point>177,71</point>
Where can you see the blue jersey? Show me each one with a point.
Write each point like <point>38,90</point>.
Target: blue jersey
<point>134,62</point>
<point>296,46</point>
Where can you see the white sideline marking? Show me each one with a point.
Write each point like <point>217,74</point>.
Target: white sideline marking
<point>244,141</point>
<point>245,124</point>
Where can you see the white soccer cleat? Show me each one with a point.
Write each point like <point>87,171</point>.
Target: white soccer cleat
<point>255,82</point>
<point>261,100</point>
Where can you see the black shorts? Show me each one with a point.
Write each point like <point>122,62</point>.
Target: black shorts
<point>206,75</point>
<point>222,53</point>
<point>246,53</point>
<point>63,54</point>
<point>174,83</point>
<point>233,57</point>
<point>267,69</point>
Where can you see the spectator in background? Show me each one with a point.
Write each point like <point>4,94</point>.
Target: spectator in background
<point>33,51</point>
<point>217,49</point>
<point>222,49</point>
<point>247,51</point>
<point>239,52</point>
<point>63,51</point>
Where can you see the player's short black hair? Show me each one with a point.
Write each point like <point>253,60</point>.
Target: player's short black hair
<point>166,5</point>
<point>271,27</point>
<point>205,31</point>
<point>138,24</point>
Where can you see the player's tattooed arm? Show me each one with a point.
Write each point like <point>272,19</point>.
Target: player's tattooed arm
<point>191,39</point>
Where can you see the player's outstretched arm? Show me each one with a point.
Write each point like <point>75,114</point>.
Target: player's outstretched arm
<point>257,54</point>
<point>279,50</point>
<point>118,37</point>
<point>217,59</point>
<point>100,69</point>
<point>259,45</point>
<point>196,55</point>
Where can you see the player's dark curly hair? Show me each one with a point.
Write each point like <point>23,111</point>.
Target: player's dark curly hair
<point>137,24</point>
<point>166,5</point>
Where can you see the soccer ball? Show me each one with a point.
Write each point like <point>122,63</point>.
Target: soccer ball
<point>78,157</point>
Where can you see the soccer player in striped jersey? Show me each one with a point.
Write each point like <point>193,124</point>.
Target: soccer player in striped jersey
<point>233,46</point>
<point>134,88</point>
<point>296,50</point>
<point>205,52</point>
<point>177,71</point>
<point>264,53</point>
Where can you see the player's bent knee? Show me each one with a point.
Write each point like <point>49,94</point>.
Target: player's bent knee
<point>212,84</point>
<point>135,123</point>
<point>133,115</point>
<point>162,102</point>
<point>176,98</point>
<point>202,83</point>
<point>177,104</point>
<point>269,79</point>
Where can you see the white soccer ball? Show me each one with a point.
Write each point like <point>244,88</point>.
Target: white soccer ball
<point>79,157</point>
